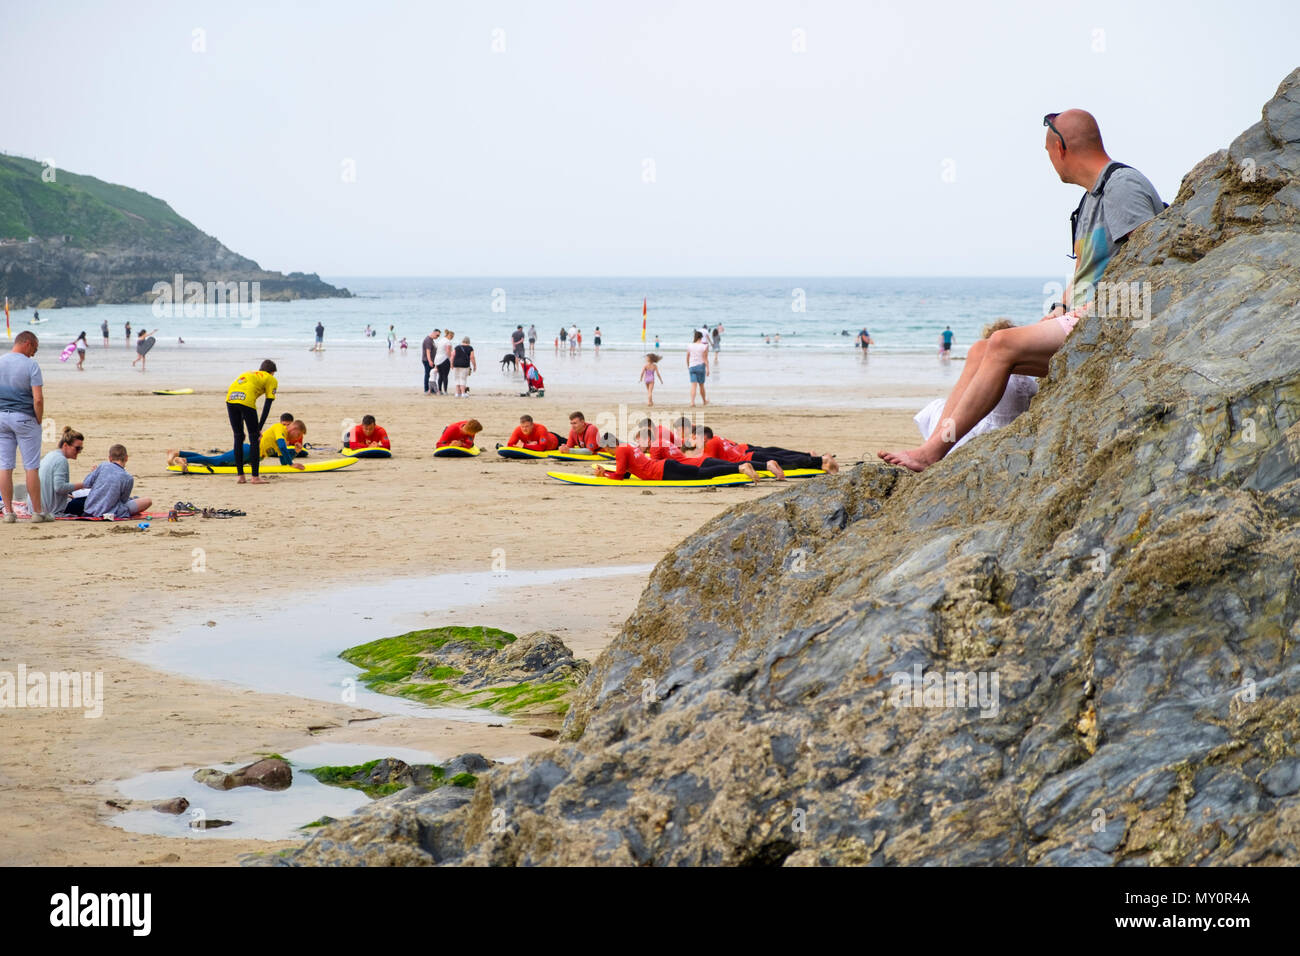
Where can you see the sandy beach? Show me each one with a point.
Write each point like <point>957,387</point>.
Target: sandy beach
<point>81,595</point>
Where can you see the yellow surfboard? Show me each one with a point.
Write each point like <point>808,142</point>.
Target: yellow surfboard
<point>527,453</point>
<point>366,452</point>
<point>309,467</point>
<point>634,482</point>
<point>455,451</point>
<point>173,391</point>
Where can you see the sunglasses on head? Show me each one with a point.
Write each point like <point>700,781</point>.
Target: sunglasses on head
<point>1047,121</point>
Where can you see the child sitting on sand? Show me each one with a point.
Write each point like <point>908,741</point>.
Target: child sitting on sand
<point>110,489</point>
<point>648,373</point>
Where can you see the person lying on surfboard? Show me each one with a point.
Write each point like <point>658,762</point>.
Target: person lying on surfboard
<point>460,434</point>
<point>715,446</point>
<point>638,460</point>
<point>532,436</point>
<point>584,438</point>
<point>368,435</point>
<point>281,440</point>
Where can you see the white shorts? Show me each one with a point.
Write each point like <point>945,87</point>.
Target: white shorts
<point>22,432</point>
<point>460,376</point>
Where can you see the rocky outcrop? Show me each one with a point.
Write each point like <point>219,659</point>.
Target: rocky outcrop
<point>49,274</point>
<point>1074,641</point>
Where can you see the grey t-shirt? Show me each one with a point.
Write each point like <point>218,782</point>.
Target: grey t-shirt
<point>18,376</point>
<point>1127,200</point>
<point>56,483</point>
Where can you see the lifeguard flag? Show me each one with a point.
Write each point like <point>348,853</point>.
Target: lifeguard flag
<point>643,311</point>
<point>11,335</point>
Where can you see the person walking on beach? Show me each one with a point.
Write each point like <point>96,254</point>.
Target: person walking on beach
<point>241,407</point>
<point>596,341</point>
<point>865,341</point>
<point>532,341</point>
<point>22,406</point>
<point>143,343</point>
<point>82,345</point>
<point>463,363</point>
<point>128,334</point>
<point>428,356</point>
<point>697,365</point>
<point>517,342</point>
<point>320,337</point>
<point>716,335</point>
<point>573,338</point>
<point>649,371</point>
<point>445,347</point>
<point>1117,201</point>
<point>103,327</point>
<point>392,337</point>
<point>945,343</point>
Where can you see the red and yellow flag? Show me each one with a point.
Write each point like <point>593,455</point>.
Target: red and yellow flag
<point>11,335</point>
<point>643,313</point>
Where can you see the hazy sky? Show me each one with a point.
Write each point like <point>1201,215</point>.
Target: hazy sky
<point>532,159</point>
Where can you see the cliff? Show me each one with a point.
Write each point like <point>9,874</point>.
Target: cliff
<point>1074,641</point>
<point>61,232</point>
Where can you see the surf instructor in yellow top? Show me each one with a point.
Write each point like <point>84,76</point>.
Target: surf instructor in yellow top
<point>241,405</point>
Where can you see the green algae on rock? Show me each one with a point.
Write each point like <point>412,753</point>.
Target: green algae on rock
<point>472,667</point>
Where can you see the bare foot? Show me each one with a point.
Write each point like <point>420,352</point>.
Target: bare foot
<point>829,464</point>
<point>776,471</point>
<point>257,480</point>
<point>913,459</point>
<point>748,470</point>
<point>242,480</point>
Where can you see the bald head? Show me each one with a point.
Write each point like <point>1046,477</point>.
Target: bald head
<point>1080,131</point>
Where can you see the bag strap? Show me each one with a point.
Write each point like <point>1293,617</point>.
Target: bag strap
<point>1101,188</point>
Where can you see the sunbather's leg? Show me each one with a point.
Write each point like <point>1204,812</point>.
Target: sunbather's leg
<point>1026,350</point>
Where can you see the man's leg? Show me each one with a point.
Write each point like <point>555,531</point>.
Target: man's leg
<point>1027,350</point>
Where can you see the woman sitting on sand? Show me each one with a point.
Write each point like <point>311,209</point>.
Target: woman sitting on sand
<point>1015,400</point>
<point>654,464</point>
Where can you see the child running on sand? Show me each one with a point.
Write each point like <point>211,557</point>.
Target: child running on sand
<point>648,373</point>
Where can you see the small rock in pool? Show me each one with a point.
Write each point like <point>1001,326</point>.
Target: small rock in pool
<point>204,824</point>
<point>174,805</point>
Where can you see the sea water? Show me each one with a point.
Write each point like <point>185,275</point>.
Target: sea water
<point>813,363</point>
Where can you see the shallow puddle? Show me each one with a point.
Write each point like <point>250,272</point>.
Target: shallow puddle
<point>293,647</point>
<point>255,814</point>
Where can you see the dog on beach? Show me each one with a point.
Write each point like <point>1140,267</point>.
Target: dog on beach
<point>510,360</point>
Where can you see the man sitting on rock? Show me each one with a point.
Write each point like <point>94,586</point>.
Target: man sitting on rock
<point>1119,199</point>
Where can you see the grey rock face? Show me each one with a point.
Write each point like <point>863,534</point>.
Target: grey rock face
<point>1076,641</point>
